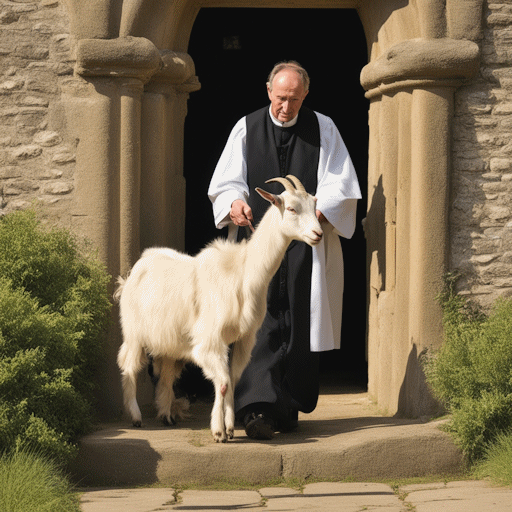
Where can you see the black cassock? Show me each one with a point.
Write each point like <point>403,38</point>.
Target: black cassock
<point>282,376</point>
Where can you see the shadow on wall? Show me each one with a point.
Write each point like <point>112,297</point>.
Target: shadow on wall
<point>376,233</point>
<point>415,379</point>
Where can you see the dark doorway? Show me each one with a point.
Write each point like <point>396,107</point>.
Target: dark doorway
<point>234,50</point>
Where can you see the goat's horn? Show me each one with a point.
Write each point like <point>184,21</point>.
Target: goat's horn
<point>296,182</point>
<point>287,184</point>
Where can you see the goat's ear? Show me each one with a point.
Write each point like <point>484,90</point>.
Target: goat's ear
<point>271,198</point>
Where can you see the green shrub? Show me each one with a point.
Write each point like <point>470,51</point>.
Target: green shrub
<point>472,372</point>
<point>31,483</point>
<point>53,312</point>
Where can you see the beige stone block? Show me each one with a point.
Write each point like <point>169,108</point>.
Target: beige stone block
<point>500,164</point>
<point>47,138</point>
<point>34,101</point>
<point>226,500</point>
<point>11,171</point>
<point>26,152</point>
<point>58,188</point>
<point>498,212</point>
<point>12,85</point>
<point>17,204</point>
<point>63,157</point>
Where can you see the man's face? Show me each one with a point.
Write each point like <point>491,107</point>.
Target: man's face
<point>287,95</point>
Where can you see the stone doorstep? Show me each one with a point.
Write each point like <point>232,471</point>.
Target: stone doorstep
<point>343,438</point>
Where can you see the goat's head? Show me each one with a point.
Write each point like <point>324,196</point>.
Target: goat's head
<point>298,210</point>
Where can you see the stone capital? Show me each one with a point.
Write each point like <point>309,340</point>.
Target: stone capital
<point>434,61</point>
<point>126,57</point>
<point>177,70</point>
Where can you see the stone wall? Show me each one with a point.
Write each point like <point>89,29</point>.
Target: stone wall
<point>37,157</point>
<point>481,214</point>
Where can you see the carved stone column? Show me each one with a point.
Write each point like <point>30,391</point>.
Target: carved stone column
<point>163,185</point>
<point>129,173</point>
<point>117,69</point>
<point>107,120</point>
<point>411,91</point>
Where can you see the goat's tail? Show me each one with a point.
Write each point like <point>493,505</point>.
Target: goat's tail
<point>121,281</point>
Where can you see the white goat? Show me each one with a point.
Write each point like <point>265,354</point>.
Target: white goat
<point>178,308</point>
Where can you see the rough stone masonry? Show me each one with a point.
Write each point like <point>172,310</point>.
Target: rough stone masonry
<point>481,209</point>
<point>36,156</point>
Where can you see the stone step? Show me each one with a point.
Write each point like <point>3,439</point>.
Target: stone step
<point>344,438</point>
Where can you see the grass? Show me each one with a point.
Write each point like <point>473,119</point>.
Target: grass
<point>32,483</point>
<point>496,464</point>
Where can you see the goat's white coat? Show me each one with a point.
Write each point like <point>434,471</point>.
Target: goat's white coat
<point>179,308</point>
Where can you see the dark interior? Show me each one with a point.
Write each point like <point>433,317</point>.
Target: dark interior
<point>234,50</point>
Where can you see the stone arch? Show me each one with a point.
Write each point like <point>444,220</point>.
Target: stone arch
<point>129,114</point>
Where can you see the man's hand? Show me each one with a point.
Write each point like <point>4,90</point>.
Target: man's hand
<point>321,217</point>
<point>241,213</point>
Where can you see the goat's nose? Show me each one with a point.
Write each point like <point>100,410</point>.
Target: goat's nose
<point>318,233</point>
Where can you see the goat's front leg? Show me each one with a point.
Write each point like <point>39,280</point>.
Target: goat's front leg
<point>216,368</point>
<point>229,411</point>
<point>240,355</point>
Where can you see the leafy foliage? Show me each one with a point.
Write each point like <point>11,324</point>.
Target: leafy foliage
<point>53,312</point>
<point>472,372</point>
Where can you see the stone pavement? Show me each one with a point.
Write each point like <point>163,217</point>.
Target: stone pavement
<point>462,496</point>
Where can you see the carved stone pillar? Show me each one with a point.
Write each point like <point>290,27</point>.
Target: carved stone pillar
<point>131,191</point>
<point>129,173</point>
<point>117,70</point>
<point>163,184</point>
<point>107,120</point>
<point>411,91</point>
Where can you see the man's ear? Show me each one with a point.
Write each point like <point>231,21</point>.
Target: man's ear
<point>271,198</point>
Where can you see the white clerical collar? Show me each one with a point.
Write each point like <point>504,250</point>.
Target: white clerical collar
<point>286,124</point>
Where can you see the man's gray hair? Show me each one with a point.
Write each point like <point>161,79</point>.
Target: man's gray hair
<point>289,64</point>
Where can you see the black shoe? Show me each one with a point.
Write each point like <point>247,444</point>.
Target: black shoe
<point>259,426</point>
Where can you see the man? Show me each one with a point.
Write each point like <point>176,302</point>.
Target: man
<point>305,296</point>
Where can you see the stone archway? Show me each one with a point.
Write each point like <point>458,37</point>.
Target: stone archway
<point>128,115</point>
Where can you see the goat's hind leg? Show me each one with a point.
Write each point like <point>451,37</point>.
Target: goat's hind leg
<point>130,362</point>
<point>168,408</point>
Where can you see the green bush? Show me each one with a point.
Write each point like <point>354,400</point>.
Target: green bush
<point>53,312</point>
<point>31,483</point>
<point>472,372</point>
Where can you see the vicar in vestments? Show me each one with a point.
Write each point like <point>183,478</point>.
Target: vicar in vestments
<point>304,304</point>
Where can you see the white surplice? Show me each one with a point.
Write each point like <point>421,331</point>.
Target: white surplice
<point>337,192</point>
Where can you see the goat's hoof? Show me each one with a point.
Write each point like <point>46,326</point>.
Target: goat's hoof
<point>169,422</point>
<point>219,437</point>
<point>137,423</point>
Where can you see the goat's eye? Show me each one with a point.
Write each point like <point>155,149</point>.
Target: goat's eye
<point>290,209</point>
